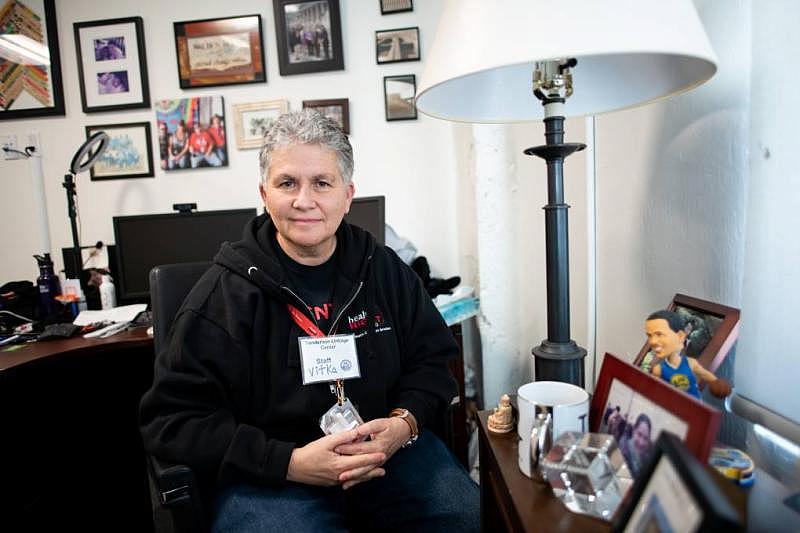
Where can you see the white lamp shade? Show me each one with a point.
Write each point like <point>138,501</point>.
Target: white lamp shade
<point>629,52</point>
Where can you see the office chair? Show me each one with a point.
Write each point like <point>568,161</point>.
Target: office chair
<point>177,503</point>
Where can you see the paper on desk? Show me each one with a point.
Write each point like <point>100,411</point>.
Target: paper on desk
<point>124,313</point>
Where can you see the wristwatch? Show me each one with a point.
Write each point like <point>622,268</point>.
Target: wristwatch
<point>409,419</point>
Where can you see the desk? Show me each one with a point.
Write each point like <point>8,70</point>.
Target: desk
<point>70,451</point>
<point>512,502</point>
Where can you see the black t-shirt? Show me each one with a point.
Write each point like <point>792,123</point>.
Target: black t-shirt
<point>314,284</point>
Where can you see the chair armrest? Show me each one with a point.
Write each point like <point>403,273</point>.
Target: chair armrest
<point>175,489</point>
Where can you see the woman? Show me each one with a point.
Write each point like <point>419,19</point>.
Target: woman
<point>179,147</point>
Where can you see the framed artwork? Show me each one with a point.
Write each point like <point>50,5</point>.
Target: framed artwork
<point>251,121</point>
<point>112,66</point>
<point>338,109</point>
<point>711,331</point>
<point>129,153</point>
<point>394,46</point>
<point>398,96</point>
<point>636,408</point>
<point>30,82</point>
<point>309,35</point>
<point>675,493</point>
<point>191,133</point>
<point>396,6</point>
<point>223,51</point>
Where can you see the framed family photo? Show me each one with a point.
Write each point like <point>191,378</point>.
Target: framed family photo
<point>223,51</point>
<point>129,153</point>
<point>251,121</point>
<point>30,83</point>
<point>636,408</point>
<point>112,66</point>
<point>396,6</point>
<point>338,109</point>
<point>395,46</point>
<point>309,36</point>
<point>191,133</point>
<point>711,332</point>
<point>675,492</point>
<point>398,95</point>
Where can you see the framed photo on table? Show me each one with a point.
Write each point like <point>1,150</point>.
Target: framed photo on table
<point>675,493</point>
<point>338,109</point>
<point>395,46</point>
<point>309,36</point>
<point>223,51</point>
<point>112,65</point>
<point>251,121</point>
<point>398,95</point>
<point>129,153</point>
<point>711,332</point>
<point>30,83</point>
<point>396,6</point>
<point>636,408</point>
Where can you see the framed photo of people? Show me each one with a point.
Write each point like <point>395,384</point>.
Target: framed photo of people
<point>112,65</point>
<point>395,46</point>
<point>251,121</point>
<point>636,408</point>
<point>309,36</point>
<point>398,95</point>
<point>30,81</point>
<point>675,492</point>
<point>129,153</point>
<point>191,133</point>
<point>338,109</point>
<point>222,51</point>
<point>396,6</point>
<point>711,331</point>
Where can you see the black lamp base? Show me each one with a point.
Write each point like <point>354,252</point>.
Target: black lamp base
<point>559,361</point>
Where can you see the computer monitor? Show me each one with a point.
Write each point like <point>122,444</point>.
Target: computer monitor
<point>369,213</point>
<point>144,241</point>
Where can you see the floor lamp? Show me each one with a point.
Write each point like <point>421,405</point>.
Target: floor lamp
<point>525,60</point>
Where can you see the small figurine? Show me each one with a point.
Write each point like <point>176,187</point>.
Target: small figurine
<point>666,336</point>
<point>502,418</point>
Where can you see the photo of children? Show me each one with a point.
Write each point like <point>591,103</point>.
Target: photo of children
<point>112,82</point>
<point>192,133</point>
<point>109,48</point>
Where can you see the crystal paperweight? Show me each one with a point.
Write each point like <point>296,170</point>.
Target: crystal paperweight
<point>588,473</point>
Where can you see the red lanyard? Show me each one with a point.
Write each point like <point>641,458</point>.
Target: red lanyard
<point>304,322</point>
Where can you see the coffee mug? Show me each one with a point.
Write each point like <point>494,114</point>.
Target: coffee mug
<point>567,403</point>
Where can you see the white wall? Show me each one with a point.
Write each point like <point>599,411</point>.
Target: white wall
<point>412,163</point>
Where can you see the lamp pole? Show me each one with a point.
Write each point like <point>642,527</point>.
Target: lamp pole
<point>558,357</point>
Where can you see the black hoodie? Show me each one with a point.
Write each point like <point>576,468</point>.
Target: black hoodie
<point>227,397</point>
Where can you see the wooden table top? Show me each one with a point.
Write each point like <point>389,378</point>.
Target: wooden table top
<point>533,503</point>
<point>37,351</point>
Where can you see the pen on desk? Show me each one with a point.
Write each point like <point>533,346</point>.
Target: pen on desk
<point>9,339</point>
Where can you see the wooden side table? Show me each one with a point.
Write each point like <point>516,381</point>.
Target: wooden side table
<point>512,502</point>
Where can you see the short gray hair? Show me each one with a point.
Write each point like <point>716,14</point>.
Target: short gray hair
<point>307,127</point>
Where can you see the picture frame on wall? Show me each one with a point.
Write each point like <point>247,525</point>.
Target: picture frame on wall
<point>191,133</point>
<point>636,408</point>
<point>337,109</point>
<point>252,120</point>
<point>129,153</point>
<point>221,51</point>
<point>30,84</point>
<point>711,331</point>
<point>309,36</point>
<point>398,97</point>
<point>675,492</point>
<point>396,6</point>
<point>112,64</point>
<point>395,46</point>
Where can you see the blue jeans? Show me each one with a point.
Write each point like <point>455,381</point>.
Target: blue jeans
<point>424,489</point>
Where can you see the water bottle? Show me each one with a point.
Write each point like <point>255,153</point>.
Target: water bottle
<point>108,295</point>
<point>49,287</point>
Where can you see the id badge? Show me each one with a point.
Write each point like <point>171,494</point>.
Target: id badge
<point>340,418</point>
<point>331,358</point>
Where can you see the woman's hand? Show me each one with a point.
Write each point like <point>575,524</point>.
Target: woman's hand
<point>387,436</point>
<point>318,462</point>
